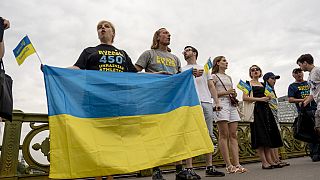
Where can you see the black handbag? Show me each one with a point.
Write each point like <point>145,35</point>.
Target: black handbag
<point>6,101</point>
<point>303,127</point>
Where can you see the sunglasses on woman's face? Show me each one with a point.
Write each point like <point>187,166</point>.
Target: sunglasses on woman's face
<point>254,69</point>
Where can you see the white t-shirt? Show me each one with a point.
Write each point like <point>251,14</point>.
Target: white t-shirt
<point>314,83</point>
<point>201,83</point>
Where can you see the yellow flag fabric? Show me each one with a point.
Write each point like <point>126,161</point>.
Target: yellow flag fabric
<point>23,50</point>
<point>99,126</point>
<point>208,66</point>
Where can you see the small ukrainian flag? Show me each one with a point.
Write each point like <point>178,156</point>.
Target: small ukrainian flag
<point>23,50</point>
<point>268,90</point>
<point>208,66</point>
<point>246,88</point>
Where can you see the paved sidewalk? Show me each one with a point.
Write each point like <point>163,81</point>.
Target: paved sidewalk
<point>300,169</point>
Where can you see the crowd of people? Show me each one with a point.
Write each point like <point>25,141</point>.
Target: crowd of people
<point>216,94</point>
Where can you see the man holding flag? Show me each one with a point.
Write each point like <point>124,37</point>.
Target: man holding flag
<point>206,91</point>
<point>105,57</point>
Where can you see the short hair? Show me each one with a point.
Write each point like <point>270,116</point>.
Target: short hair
<point>296,70</point>
<point>305,58</point>
<point>256,66</point>
<point>111,25</point>
<point>155,41</point>
<point>193,50</point>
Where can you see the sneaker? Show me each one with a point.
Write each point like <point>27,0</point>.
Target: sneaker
<point>315,158</point>
<point>212,172</point>
<point>194,174</point>
<point>185,175</point>
<point>157,175</point>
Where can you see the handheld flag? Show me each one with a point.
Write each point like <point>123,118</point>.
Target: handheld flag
<point>104,123</point>
<point>246,88</point>
<point>208,66</point>
<point>268,90</point>
<point>23,50</point>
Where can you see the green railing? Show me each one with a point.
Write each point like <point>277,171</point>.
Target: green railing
<point>12,149</point>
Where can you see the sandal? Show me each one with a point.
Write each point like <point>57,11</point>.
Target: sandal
<point>284,163</point>
<point>230,169</point>
<point>240,169</point>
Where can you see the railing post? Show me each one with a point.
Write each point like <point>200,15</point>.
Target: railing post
<point>10,149</point>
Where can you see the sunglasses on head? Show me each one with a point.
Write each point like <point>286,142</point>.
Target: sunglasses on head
<point>254,69</point>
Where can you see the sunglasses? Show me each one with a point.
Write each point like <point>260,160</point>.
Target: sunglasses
<point>274,78</point>
<point>255,69</point>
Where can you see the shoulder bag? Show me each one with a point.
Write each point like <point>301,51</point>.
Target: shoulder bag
<point>233,100</point>
<point>6,101</point>
<point>248,109</point>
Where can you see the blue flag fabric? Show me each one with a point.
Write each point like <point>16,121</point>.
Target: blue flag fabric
<point>208,66</point>
<point>104,123</point>
<point>23,50</point>
<point>243,86</point>
<point>268,89</point>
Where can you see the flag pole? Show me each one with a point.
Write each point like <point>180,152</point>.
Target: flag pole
<point>35,50</point>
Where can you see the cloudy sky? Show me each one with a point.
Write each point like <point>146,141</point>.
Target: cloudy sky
<point>269,33</point>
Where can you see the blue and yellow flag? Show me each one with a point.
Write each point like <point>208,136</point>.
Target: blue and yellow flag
<point>268,89</point>
<point>104,123</point>
<point>23,50</point>
<point>208,66</point>
<point>246,88</point>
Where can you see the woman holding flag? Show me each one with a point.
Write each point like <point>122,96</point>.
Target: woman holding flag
<point>227,119</point>
<point>264,132</point>
<point>270,81</point>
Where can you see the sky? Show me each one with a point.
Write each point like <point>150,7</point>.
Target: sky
<point>269,33</point>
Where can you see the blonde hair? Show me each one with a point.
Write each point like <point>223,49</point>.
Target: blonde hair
<point>155,41</point>
<point>110,24</point>
<point>215,68</point>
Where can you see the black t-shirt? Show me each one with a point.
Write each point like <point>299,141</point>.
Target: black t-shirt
<point>105,58</point>
<point>301,90</point>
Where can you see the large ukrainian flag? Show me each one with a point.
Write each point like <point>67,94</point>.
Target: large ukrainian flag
<point>104,123</point>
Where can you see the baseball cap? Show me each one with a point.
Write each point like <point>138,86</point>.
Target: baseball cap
<point>270,75</point>
<point>296,70</point>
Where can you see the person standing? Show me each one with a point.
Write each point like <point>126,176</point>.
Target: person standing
<point>305,62</point>
<point>160,60</point>
<point>264,131</point>
<point>206,91</point>
<point>105,57</point>
<point>298,91</point>
<point>227,119</point>
<point>270,80</point>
